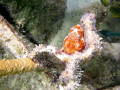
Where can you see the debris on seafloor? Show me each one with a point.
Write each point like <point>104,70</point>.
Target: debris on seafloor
<point>85,44</point>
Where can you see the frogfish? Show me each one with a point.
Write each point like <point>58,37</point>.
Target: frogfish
<point>74,40</point>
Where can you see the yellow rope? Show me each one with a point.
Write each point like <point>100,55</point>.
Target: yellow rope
<point>16,66</point>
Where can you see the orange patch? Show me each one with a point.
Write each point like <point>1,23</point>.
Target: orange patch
<point>74,40</point>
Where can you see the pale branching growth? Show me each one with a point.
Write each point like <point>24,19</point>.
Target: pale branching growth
<point>71,75</point>
<point>45,58</point>
<point>92,47</point>
<point>11,41</point>
<point>57,62</point>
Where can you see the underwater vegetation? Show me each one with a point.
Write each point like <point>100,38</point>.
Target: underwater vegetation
<point>110,21</point>
<point>61,63</point>
<point>104,2</point>
<point>113,6</point>
<point>76,65</point>
<point>36,20</point>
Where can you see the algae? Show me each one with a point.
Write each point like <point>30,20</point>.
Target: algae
<point>39,22</point>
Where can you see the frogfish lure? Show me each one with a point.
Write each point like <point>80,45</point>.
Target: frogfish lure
<point>74,40</point>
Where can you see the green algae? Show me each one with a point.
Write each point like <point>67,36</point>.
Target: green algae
<point>38,19</point>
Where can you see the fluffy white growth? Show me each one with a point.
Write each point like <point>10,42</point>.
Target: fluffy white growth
<point>92,45</point>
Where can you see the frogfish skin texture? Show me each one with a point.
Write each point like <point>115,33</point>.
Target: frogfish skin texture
<point>74,40</point>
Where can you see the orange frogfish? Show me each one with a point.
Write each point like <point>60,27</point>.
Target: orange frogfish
<point>74,40</point>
